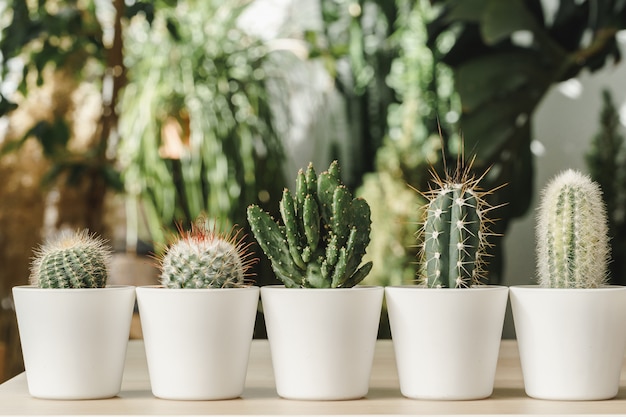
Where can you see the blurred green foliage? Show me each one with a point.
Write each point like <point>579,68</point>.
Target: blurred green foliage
<point>195,108</point>
<point>426,105</point>
<point>196,120</point>
<point>606,160</point>
<point>40,38</point>
<point>505,55</point>
<point>354,42</point>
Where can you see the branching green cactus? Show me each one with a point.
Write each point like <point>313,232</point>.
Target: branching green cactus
<point>205,258</point>
<point>324,235</point>
<point>71,260</point>
<point>572,233</point>
<point>455,231</point>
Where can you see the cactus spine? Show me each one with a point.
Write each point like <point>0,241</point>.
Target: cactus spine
<point>455,232</point>
<point>71,260</point>
<point>205,258</point>
<point>324,235</point>
<point>572,233</point>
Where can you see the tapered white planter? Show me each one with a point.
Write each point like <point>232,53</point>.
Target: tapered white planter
<point>322,340</point>
<point>446,341</point>
<point>197,341</point>
<point>571,341</point>
<point>74,340</point>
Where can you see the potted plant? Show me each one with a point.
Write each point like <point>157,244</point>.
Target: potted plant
<point>570,327</point>
<point>321,325</point>
<point>73,327</point>
<point>198,325</point>
<point>446,331</point>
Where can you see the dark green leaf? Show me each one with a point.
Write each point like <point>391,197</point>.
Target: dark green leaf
<point>488,131</point>
<point>140,7</point>
<point>172,28</point>
<point>113,178</point>
<point>51,176</point>
<point>12,146</point>
<point>469,45</point>
<point>497,76</point>
<point>465,11</point>
<point>19,29</point>
<point>570,23</point>
<point>6,106</point>
<point>502,18</point>
<point>75,173</point>
<point>51,136</point>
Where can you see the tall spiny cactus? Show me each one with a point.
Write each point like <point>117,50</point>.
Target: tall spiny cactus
<point>324,235</point>
<point>572,233</point>
<point>71,260</point>
<point>205,258</point>
<point>455,231</point>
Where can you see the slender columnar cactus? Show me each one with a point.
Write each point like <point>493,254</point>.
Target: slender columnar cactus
<point>324,235</point>
<point>71,260</point>
<point>455,232</point>
<point>205,258</point>
<point>572,233</point>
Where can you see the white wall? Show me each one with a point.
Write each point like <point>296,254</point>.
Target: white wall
<point>563,128</point>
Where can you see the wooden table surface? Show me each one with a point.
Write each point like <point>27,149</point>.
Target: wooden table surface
<point>260,396</point>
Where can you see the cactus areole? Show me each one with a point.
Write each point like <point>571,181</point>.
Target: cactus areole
<point>572,233</point>
<point>454,233</point>
<point>323,236</point>
<point>71,260</point>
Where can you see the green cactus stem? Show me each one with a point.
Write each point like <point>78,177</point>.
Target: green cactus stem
<point>323,236</point>
<point>203,257</point>
<point>572,233</point>
<point>455,231</point>
<point>71,260</point>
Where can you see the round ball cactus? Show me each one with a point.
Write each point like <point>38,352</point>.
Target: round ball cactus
<point>71,259</point>
<point>205,258</point>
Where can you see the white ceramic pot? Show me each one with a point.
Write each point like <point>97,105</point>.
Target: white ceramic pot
<point>74,340</point>
<point>197,341</point>
<point>447,340</point>
<point>322,340</point>
<point>571,341</point>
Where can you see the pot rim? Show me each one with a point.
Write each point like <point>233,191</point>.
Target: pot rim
<point>160,287</point>
<point>108,288</point>
<point>359,288</point>
<point>537,288</point>
<point>420,288</point>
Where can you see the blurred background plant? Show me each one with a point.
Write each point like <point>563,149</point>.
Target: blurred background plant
<point>504,57</point>
<point>426,104</point>
<point>353,43</point>
<point>127,116</point>
<point>61,72</point>
<point>196,122</point>
<point>64,72</point>
<point>606,161</point>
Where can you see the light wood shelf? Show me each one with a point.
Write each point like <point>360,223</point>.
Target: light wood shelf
<point>260,396</point>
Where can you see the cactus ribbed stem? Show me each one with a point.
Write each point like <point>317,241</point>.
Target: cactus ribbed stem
<point>71,260</point>
<point>455,231</point>
<point>572,234</point>
<point>452,238</point>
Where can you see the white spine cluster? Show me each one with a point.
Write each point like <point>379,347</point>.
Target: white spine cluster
<point>572,233</point>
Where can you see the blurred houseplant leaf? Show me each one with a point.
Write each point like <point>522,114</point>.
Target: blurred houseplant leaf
<point>505,56</point>
<point>197,124</point>
<point>606,160</point>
